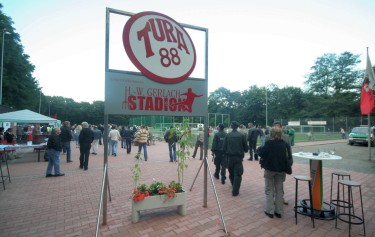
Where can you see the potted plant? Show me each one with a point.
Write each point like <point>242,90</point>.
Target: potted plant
<point>157,194</point>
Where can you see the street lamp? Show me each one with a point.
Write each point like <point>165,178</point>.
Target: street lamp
<point>49,109</point>
<point>2,65</point>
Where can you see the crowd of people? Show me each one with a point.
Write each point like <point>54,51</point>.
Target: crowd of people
<point>228,149</point>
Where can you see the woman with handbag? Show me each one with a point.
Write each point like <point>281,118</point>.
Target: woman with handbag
<point>277,161</point>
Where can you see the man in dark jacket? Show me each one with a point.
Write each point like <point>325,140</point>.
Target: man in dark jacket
<point>220,157</point>
<point>171,138</point>
<point>86,137</point>
<point>235,147</point>
<point>66,137</point>
<point>128,138</point>
<point>252,137</point>
<point>53,150</point>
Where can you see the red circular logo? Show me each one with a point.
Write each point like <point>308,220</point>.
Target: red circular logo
<point>159,47</point>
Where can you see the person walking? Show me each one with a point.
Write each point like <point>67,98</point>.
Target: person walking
<point>252,137</point>
<point>54,148</point>
<point>114,137</point>
<point>171,138</point>
<point>220,160</point>
<point>86,137</point>
<point>199,143</point>
<point>343,134</point>
<point>235,147</point>
<point>65,138</point>
<point>277,161</point>
<point>141,138</point>
<point>95,142</point>
<point>128,138</point>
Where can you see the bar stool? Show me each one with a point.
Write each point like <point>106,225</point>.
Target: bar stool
<point>342,175</point>
<point>3,155</point>
<point>297,208</point>
<point>349,216</point>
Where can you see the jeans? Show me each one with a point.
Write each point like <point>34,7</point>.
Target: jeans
<point>144,145</point>
<point>274,191</point>
<point>66,148</point>
<point>123,142</point>
<point>53,161</point>
<point>114,144</point>
<point>128,145</point>
<point>172,151</point>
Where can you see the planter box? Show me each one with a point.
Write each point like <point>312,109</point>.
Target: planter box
<point>159,201</point>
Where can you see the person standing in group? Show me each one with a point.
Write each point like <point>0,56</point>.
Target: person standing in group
<point>252,137</point>
<point>199,143</point>
<point>220,158</point>
<point>291,133</point>
<point>262,134</point>
<point>54,147</point>
<point>101,129</point>
<point>128,139</point>
<point>235,147</point>
<point>141,138</point>
<point>77,131</point>
<point>66,137</point>
<point>86,137</point>
<point>123,140</point>
<point>171,138</point>
<point>95,142</point>
<point>343,134</point>
<point>114,137</point>
<point>285,138</point>
<point>277,161</point>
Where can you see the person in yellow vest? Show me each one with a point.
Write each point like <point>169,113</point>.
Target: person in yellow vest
<point>141,138</point>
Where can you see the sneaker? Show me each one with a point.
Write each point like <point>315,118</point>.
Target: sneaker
<point>68,161</point>
<point>49,175</point>
<point>61,174</point>
<point>216,176</point>
<point>277,215</point>
<point>222,181</point>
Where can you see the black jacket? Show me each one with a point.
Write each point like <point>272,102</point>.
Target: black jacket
<point>65,135</point>
<point>54,142</point>
<point>235,144</point>
<point>217,143</point>
<point>276,156</point>
<point>86,136</point>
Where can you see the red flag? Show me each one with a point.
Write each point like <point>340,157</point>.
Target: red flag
<point>367,94</point>
<point>367,99</point>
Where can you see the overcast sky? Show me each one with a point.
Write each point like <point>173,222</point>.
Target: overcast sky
<point>251,42</point>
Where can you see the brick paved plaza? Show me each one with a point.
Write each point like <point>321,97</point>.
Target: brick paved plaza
<point>33,205</point>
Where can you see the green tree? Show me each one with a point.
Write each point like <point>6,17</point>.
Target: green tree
<point>333,74</point>
<point>20,88</point>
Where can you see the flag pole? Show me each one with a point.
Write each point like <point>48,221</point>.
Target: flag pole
<point>368,129</point>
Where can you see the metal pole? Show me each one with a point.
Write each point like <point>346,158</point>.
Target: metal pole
<point>2,65</point>
<point>369,137</point>
<point>266,110</point>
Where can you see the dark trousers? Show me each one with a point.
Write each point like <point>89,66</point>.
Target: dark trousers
<point>200,145</point>
<point>220,164</point>
<point>252,148</point>
<point>235,169</point>
<point>128,145</point>
<point>84,149</point>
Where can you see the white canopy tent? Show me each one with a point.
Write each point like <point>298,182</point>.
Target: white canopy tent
<point>28,116</point>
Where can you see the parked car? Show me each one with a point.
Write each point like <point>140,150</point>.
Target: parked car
<point>360,135</point>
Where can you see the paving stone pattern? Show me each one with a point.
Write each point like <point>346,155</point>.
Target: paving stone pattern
<point>33,205</point>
